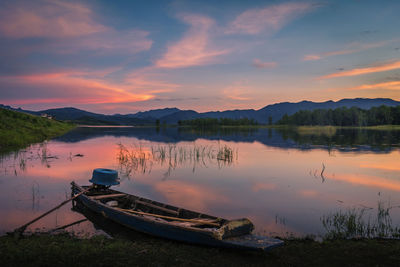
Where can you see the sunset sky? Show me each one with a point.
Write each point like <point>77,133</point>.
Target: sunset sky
<point>128,56</point>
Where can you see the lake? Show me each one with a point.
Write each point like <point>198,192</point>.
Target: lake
<point>283,180</point>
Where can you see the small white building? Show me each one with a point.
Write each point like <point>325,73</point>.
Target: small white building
<point>44,115</point>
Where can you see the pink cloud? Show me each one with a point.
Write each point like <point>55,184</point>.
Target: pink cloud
<point>269,19</point>
<point>263,65</point>
<point>194,48</point>
<point>50,19</point>
<point>68,28</point>
<point>360,71</point>
<point>149,80</point>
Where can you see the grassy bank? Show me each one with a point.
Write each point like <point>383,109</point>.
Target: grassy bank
<point>18,130</point>
<point>63,250</point>
<point>328,129</point>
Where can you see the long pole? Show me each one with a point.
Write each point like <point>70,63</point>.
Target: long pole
<point>21,229</point>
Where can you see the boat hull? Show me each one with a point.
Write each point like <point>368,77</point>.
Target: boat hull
<point>138,223</point>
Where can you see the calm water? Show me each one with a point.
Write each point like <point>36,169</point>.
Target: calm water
<point>282,180</point>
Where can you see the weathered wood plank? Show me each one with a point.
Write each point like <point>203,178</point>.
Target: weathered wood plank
<point>170,218</point>
<point>157,207</point>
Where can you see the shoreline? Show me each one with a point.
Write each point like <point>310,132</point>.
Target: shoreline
<point>64,250</point>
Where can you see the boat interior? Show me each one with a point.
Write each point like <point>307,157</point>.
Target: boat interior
<point>152,209</point>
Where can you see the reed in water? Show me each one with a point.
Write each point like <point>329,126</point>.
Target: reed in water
<point>140,160</point>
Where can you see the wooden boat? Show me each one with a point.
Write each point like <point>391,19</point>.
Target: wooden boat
<point>166,221</point>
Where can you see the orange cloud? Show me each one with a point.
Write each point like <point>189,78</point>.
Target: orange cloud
<point>237,92</point>
<point>311,57</point>
<point>361,71</point>
<point>270,19</point>
<point>393,85</point>
<point>263,65</point>
<point>74,87</point>
<point>194,48</point>
<point>353,48</point>
<point>52,19</point>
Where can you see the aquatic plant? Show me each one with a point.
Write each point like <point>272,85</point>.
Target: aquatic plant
<point>353,223</point>
<point>225,153</point>
<point>135,160</point>
<point>172,155</point>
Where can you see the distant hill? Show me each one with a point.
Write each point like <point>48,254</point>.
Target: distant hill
<point>276,111</point>
<point>173,115</point>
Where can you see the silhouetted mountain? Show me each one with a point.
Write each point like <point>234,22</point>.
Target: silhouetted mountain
<point>173,115</point>
<point>276,111</point>
<point>180,116</point>
<point>154,114</point>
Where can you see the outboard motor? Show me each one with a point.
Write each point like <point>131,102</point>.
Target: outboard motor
<point>103,179</point>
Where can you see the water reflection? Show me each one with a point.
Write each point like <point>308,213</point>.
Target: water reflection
<point>283,181</point>
<point>349,139</point>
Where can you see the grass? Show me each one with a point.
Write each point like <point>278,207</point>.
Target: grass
<point>64,250</point>
<point>354,223</point>
<point>384,127</point>
<point>139,160</point>
<point>18,130</point>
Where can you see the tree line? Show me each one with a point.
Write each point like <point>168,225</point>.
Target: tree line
<point>382,115</point>
<point>214,122</point>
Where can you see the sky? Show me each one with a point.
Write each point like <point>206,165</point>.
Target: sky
<point>129,56</point>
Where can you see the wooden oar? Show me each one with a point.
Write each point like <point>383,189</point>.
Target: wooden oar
<point>170,218</point>
<point>67,225</point>
<point>21,229</point>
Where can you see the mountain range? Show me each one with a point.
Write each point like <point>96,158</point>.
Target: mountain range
<point>173,115</point>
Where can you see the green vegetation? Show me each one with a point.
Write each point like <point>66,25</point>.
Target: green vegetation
<point>63,250</point>
<point>333,136</point>
<point>354,223</point>
<point>17,130</point>
<point>204,123</point>
<point>382,115</point>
